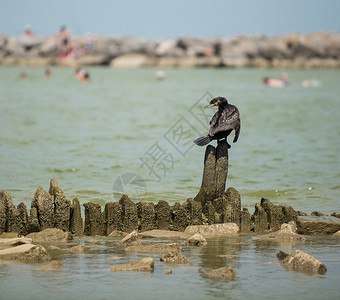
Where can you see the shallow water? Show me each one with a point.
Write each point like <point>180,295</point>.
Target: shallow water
<point>89,136</point>
<point>260,276</point>
<point>93,138</point>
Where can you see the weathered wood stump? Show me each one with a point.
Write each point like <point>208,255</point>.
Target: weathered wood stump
<point>214,173</point>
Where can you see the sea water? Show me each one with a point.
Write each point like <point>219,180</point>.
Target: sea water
<point>125,132</point>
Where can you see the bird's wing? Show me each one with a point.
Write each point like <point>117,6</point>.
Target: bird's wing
<point>228,120</point>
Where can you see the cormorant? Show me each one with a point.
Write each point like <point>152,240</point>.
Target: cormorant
<point>224,121</point>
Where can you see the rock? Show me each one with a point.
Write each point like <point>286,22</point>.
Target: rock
<point>165,47</point>
<point>173,258</point>
<point>164,234</point>
<point>23,219</point>
<point>303,262</point>
<point>146,264</point>
<point>317,225</point>
<point>94,60</point>
<point>117,233</point>
<point>260,219</point>
<point>49,47</point>
<point>130,214</point>
<point>26,252</point>
<point>195,211</point>
<point>146,216</point>
<point>232,210</point>
<point>113,217</point>
<point>80,249</point>
<point>54,265</point>
<point>50,235</point>
<point>275,215</point>
<point>43,203</point>
<point>10,242</point>
<point>9,215</point>
<point>62,206</point>
<point>225,273</point>
<point>130,60</point>
<point>245,226</point>
<point>156,249</point>
<point>8,235</point>
<point>318,214</point>
<point>168,272</point>
<point>130,239</point>
<point>284,234</point>
<point>181,217</point>
<point>163,215</point>
<point>208,213</point>
<point>93,219</point>
<point>76,221</point>
<point>51,247</point>
<point>335,214</point>
<point>213,230</point>
<point>195,240</point>
<point>281,255</point>
<point>337,233</point>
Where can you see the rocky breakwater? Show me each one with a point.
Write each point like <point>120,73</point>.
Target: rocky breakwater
<point>314,50</point>
<point>52,210</point>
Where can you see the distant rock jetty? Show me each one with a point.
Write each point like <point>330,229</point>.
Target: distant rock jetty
<point>314,50</point>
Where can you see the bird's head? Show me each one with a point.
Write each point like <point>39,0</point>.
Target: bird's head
<point>218,101</point>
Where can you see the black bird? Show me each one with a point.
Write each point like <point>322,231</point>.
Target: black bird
<point>224,121</point>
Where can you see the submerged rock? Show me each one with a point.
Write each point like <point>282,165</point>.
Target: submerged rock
<point>225,273</point>
<point>157,249</point>
<point>80,249</point>
<point>54,265</point>
<point>26,252</point>
<point>285,233</point>
<point>164,234</point>
<point>281,255</point>
<point>146,264</point>
<point>195,240</point>
<point>317,225</point>
<point>213,230</point>
<point>175,258</point>
<point>303,262</point>
<point>50,235</point>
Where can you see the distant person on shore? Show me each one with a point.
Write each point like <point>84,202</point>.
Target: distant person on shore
<point>272,82</point>
<point>65,46</point>
<point>48,73</point>
<point>28,31</point>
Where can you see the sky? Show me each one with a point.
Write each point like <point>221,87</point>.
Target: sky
<point>170,18</point>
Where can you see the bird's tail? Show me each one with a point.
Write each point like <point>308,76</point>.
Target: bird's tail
<point>202,141</point>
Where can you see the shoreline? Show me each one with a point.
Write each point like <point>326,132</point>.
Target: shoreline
<point>290,51</point>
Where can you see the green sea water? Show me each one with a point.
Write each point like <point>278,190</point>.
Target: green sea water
<point>96,138</point>
<point>127,132</point>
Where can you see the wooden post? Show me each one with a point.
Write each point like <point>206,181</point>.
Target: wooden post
<point>214,173</point>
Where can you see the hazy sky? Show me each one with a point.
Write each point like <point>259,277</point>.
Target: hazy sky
<point>170,18</point>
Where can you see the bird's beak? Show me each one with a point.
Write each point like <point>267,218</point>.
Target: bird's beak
<point>209,105</point>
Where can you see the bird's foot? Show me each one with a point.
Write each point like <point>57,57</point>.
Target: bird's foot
<point>223,141</point>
